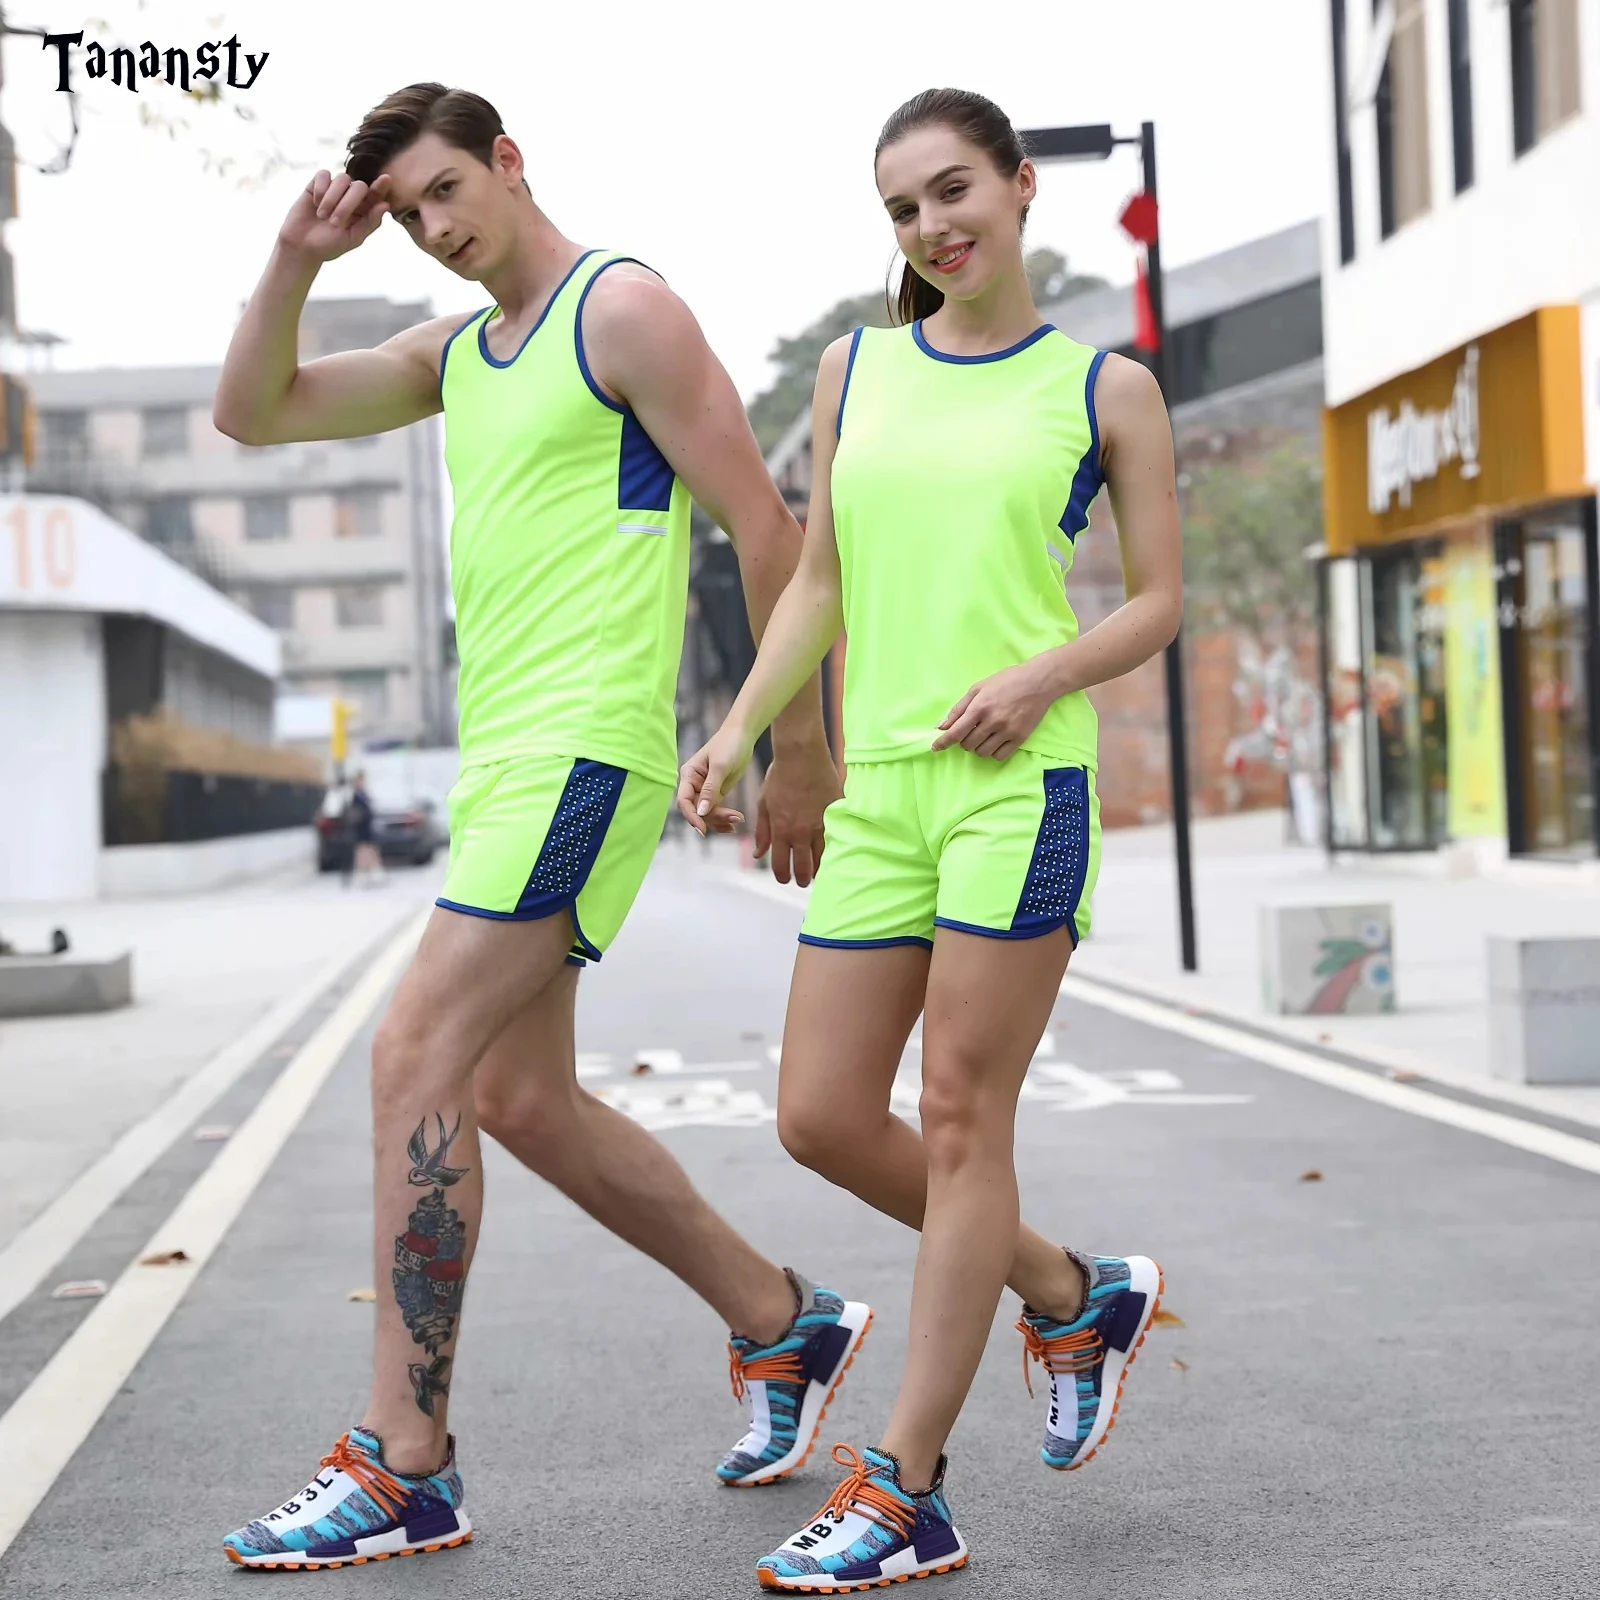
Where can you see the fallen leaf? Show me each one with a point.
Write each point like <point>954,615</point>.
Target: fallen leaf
<point>362,1294</point>
<point>1404,1075</point>
<point>79,1289</point>
<point>213,1133</point>
<point>1179,1364</point>
<point>164,1258</point>
<point>640,1068</point>
<point>1313,1176</point>
<point>1167,1319</point>
<point>1324,1038</point>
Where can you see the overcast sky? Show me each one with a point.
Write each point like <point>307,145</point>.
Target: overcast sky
<point>726,142</point>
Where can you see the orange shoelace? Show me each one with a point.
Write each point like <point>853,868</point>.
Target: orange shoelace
<point>859,1493</point>
<point>783,1368</point>
<point>1063,1352</point>
<point>386,1490</point>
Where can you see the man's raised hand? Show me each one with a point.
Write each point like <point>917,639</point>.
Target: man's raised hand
<point>333,214</point>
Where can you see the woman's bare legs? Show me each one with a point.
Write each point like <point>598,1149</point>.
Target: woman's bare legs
<point>850,1014</point>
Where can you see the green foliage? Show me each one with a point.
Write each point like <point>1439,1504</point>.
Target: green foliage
<point>776,407</point>
<point>1246,528</point>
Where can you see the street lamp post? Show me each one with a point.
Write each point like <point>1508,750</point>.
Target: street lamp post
<point>1095,142</point>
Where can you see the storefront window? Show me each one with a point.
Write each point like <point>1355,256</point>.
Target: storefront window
<point>1408,796</point>
<point>1347,737</point>
<point>1543,616</point>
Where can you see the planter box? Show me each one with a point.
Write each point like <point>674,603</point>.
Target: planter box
<point>55,986</point>
<point>1544,1010</point>
<point>1327,960</point>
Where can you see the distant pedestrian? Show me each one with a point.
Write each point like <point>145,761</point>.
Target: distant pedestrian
<point>367,861</point>
<point>955,460</point>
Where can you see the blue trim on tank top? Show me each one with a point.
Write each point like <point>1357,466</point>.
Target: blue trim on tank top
<point>1086,481</point>
<point>972,361</point>
<point>452,339</point>
<point>849,367</point>
<point>577,334</point>
<point>483,341</point>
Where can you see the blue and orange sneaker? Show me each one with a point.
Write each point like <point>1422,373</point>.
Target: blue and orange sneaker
<point>789,1384</point>
<point>871,1533</point>
<point>356,1510</point>
<point>1094,1350</point>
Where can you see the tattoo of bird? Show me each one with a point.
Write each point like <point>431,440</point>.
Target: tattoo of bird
<point>427,1166</point>
<point>429,1381</point>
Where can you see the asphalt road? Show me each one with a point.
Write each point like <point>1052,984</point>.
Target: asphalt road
<point>1387,1382</point>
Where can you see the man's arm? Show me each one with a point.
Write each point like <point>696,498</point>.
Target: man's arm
<point>646,349</point>
<point>265,396</point>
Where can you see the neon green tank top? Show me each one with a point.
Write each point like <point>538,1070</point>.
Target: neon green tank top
<point>958,488</point>
<point>569,551</point>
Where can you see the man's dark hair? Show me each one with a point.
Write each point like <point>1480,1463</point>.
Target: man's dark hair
<point>462,119</point>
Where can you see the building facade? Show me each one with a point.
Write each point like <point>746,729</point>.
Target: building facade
<point>1461,309</point>
<point>97,628</point>
<point>338,546</point>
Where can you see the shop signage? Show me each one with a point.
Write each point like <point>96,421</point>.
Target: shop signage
<point>1491,427</point>
<point>1409,446</point>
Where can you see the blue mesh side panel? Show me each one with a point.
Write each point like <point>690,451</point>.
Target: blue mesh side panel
<point>644,478</point>
<point>1060,854</point>
<point>577,831</point>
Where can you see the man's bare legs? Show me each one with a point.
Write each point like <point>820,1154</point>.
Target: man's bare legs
<point>528,1100</point>
<point>471,980</point>
<point>850,1014</point>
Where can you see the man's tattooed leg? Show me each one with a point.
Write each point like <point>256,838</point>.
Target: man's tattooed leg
<point>429,1261</point>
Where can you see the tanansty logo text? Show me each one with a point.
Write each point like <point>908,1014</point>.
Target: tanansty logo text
<point>125,68</point>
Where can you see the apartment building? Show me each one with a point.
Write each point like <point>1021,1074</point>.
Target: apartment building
<point>1461,316</point>
<point>339,547</point>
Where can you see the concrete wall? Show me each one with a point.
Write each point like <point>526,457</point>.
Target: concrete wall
<point>1526,234</point>
<point>52,749</point>
<point>136,871</point>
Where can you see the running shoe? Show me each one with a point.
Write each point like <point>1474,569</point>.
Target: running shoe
<point>789,1385</point>
<point>1088,1358</point>
<point>356,1510</point>
<point>871,1533</point>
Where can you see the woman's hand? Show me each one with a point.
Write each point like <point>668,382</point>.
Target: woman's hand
<point>708,775</point>
<point>993,717</point>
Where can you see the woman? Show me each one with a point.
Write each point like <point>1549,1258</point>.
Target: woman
<point>955,460</point>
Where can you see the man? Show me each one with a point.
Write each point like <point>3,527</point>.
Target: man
<point>581,411</point>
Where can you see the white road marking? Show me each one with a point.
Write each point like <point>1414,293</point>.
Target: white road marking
<point>43,1244</point>
<point>1061,1086</point>
<point>700,1103</point>
<point>1533,1137</point>
<point>52,1417</point>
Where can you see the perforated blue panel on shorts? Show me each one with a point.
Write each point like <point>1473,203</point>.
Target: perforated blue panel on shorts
<point>1054,884</point>
<point>578,829</point>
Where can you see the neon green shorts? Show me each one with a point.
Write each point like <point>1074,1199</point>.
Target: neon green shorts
<point>535,836</point>
<point>1009,848</point>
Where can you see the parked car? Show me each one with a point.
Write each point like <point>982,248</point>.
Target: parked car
<point>407,832</point>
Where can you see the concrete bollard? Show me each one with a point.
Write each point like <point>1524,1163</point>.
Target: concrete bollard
<point>1327,960</point>
<point>1544,1010</point>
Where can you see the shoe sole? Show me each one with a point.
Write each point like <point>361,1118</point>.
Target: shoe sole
<point>1152,1305</point>
<point>770,1580</point>
<point>277,1563</point>
<point>784,1467</point>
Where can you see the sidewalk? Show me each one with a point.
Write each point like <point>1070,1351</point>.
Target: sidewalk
<point>1441,927</point>
<point>206,967</point>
